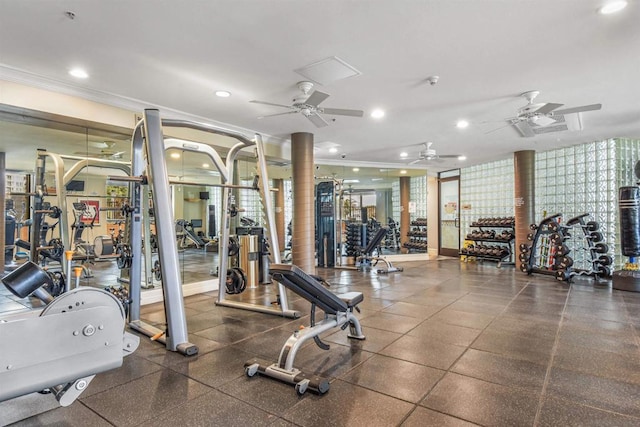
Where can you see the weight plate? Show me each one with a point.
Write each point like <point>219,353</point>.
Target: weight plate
<point>157,271</point>
<point>593,226</point>
<point>605,260</point>
<point>604,270</point>
<point>601,248</point>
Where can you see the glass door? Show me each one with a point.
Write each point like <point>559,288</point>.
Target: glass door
<point>449,214</point>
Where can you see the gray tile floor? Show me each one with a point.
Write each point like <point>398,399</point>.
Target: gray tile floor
<point>448,344</point>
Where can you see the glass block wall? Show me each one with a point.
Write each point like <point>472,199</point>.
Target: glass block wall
<point>288,209</point>
<point>418,195</point>
<point>577,180</point>
<point>250,202</point>
<point>395,200</point>
<point>572,181</point>
<point>627,155</point>
<point>486,191</point>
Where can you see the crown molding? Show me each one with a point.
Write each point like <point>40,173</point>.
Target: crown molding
<point>27,78</point>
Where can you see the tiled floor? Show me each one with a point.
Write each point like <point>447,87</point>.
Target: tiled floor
<point>448,344</point>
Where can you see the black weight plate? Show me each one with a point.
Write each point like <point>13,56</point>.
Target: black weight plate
<point>605,260</point>
<point>593,226</point>
<point>601,248</point>
<point>596,236</point>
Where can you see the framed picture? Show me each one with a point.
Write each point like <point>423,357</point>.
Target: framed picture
<point>92,210</point>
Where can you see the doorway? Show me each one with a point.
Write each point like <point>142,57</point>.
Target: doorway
<point>449,213</point>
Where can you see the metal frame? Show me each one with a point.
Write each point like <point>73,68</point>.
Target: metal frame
<point>226,170</point>
<point>148,139</point>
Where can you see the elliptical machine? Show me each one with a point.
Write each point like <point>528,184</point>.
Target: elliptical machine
<point>80,246</point>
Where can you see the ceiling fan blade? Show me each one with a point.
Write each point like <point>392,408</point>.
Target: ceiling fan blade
<point>271,103</point>
<point>277,114</point>
<point>413,162</point>
<point>317,120</point>
<point>524,128</point>
<point>547,108</point>
<point>449,156</point>
<point>591,107</point>
<point>343,112</point>
<point>316,98</point>
<point>501,127</point>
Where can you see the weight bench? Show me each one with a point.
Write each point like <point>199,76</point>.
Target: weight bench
<point>338,311</point>
<point>367,260</point>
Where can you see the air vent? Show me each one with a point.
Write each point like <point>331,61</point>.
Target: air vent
<point>328,70</point>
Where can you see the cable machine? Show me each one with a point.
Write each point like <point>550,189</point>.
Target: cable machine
<point>261,184</point>
<point>148,141</point>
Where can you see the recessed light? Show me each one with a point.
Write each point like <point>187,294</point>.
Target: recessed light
<point>404,154</point>
<point>613,7</point>
<point>377,114</point>
<point>402,172</point>
<point>333,150</point>
<point>78,73</point>
<point>462,158</point>
<point>175,155</point>
<point>205,165</point>
<point>462,124</point>
<point>223,93</point>
<point>356,169</point>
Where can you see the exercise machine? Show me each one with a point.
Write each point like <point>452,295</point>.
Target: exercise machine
<point>186,232</point>
<point>76,336</point>
<point>338,309</point>
<point>367,259</point>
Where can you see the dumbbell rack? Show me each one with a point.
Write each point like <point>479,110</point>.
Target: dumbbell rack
<point>392,239</point>
<point>552,242</point>
<point>490,245</point>
<point>356,238</point>
<point>417,236</point>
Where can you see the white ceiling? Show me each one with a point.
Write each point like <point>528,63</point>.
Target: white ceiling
<point>175,54</point>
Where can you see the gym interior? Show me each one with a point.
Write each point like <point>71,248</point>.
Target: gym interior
<point>165,268</point>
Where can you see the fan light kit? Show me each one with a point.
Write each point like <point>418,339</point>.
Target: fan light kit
<point>308,106</point>
<point>613,7</point>
<point>429,154</point>
<point>538,118</point>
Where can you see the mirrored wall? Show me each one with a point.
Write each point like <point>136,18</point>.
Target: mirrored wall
<point>94,198</point>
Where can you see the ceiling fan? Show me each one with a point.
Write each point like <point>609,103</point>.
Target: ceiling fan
<point>308,106</point>
<point>107,151</point>
<point>533,119</point>
<point>429,154</point>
